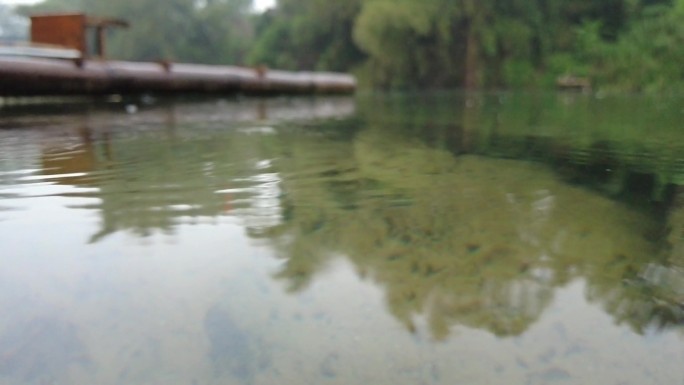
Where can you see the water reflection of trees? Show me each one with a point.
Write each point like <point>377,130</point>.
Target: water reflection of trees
<point>461,240</point>
<point>148,184</point>
<point>651,294</point>
<point>457,239</point>
<point>628,149</point>
<point>178,163</point>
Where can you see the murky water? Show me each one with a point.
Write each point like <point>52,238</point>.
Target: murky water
<point>428,239</point>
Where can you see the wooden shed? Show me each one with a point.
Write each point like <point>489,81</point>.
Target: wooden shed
<point>74,30</point>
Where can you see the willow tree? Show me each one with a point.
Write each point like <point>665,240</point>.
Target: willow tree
<point>308,34</point>
<point>443,43</point>
<point>410,43</point>
<point>222,32</point>
<point>474,44</point>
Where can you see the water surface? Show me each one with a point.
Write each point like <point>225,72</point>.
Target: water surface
<point>407,239</point>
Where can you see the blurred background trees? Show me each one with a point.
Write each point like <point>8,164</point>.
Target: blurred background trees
<point>308,34</point>
<point>12,27</point>
<point>622,45</point>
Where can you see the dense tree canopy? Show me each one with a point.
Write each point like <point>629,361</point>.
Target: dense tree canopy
<point>12,27</point>
<point>308,34</point>
<point>625,45</point>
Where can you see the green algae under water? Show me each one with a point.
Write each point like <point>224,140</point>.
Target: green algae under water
<point>426,239</point>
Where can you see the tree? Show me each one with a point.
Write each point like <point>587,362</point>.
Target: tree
<point>410,44</point>
<point>223,32</point>
<point>308,34</point>
<point>647,56</point>
<point>12,26</point>
<point>475,44</point>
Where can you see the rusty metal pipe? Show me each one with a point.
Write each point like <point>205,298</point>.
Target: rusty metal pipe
<point>37,76</point>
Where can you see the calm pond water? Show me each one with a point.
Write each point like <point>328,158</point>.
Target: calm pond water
<point>405,239</point>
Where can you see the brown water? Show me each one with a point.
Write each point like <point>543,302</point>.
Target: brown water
<point>323,241</point>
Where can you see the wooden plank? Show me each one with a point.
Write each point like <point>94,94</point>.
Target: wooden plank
<point>66,30</point>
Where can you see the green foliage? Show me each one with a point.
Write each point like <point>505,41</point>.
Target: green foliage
<point>647,57</point>
<point>308,34</point>
<point>443,43</point>
<point>399,37</point>
<point>624,45</point>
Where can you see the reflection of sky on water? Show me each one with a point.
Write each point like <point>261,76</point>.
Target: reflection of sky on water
<point>259,204</point>
<point>253,256</point>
